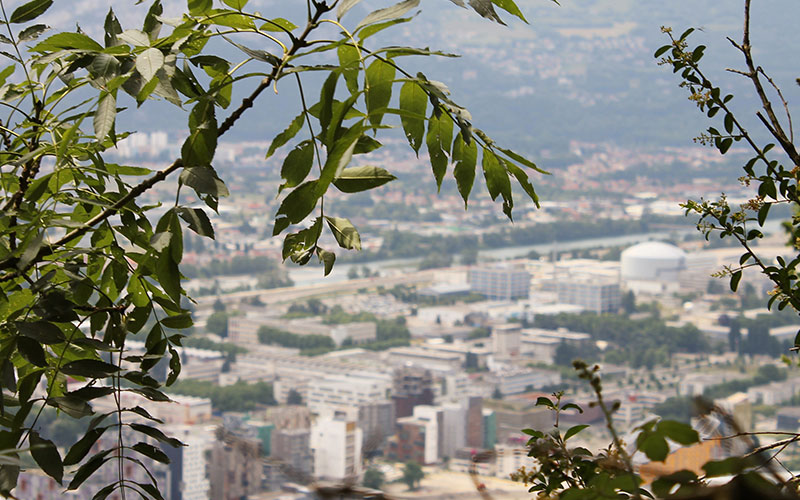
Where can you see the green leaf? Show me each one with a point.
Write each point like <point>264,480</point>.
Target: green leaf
<point>413,99</point>
<point>89,468</point>
<point>349,61</point>
<point>278,24</point>
<point>41,331</point>
<point>486,9</point>
<point>574,430</point>
<point>287,134</point>
<point>149,62</point>
<point>679,432</point>
<point>32,351</point>
<point>363,178</point>
<point>81,448</point>
<point>299,203</point>
<point>392,12</point>
<point>339,157</point>
<point>655,447</point>
<point>152,452</point>
<point>497,181</point>
<point>46,455</point>
<point>32,32</point>
<point>727,467</point>
<point>169,276</point>
<point>235,4</point>
<point>543,401</point>
<point>466,158</point>
<point>199,7</point>
<point>522,179</point>
<point>438,140</point>
<point>297,164</point>
<point>379,79</point>
<point>522,160</point>
<point>104,116</point>
<point>30,11</point>
<point>510,7</point>
<point>326,101</point>
<point>327,258</point>
<point>179,321</point>
<point>68,41</point>
<point>198,221</point>
<point>157,435</point>
<point>345,233</point>
<point>72,406</point>
<point>204,180</point>
<point>92,368</point>
<point>735,279</point>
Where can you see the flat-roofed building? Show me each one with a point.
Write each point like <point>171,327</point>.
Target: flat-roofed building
<point>500,283</point>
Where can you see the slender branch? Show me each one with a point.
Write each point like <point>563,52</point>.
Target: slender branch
<point>778,132</point>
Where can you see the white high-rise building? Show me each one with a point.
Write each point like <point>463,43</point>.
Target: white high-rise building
<point>336,448</point>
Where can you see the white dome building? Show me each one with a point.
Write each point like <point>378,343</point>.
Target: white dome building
<point>653,267</point>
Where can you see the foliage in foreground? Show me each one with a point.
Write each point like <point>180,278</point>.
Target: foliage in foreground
<point>88,262</point>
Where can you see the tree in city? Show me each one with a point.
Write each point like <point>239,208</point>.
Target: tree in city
<point>217,323</point>
<point>412,475</point>
<point>294,397</point>
<point>88,259</point>
<point>373,478</point>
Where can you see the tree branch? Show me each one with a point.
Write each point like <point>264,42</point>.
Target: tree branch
<point>139,189</point>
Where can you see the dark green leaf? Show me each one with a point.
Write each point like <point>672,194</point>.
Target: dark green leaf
<point>297,164</point>
<point>349,61</point>
<point>735,278</point>
<point>89,468</point>
<point>72,406</point>
<point>679,432</point>
<point>379,79</point>
<point>93,368</point>
<point>198,221</point>
<point>46,455</point>
<point>299,203</point>
<point>198,149</point>
<point>32,351</point>
<point>152,452</point>
<point>655,447</point>
<point>510,7</point>
<point>543,401</point>
<point>326,101</point>
<point>157,435</point>
<point>66,40</point>
<point>574,430</point>
<point>179,321</point>
<point>32,32</point>
<point>41,331</point>
<point>413,99</point>
<point>497,181</point>
<point>30,11</point>
<point>466,158</point>
<point>363,178</point>
<point>438,140</point>
<point>327,258</point>
<point>727,467</point>
<point>345,233</point>
<point>287,134</point>
<point>204,180</point>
